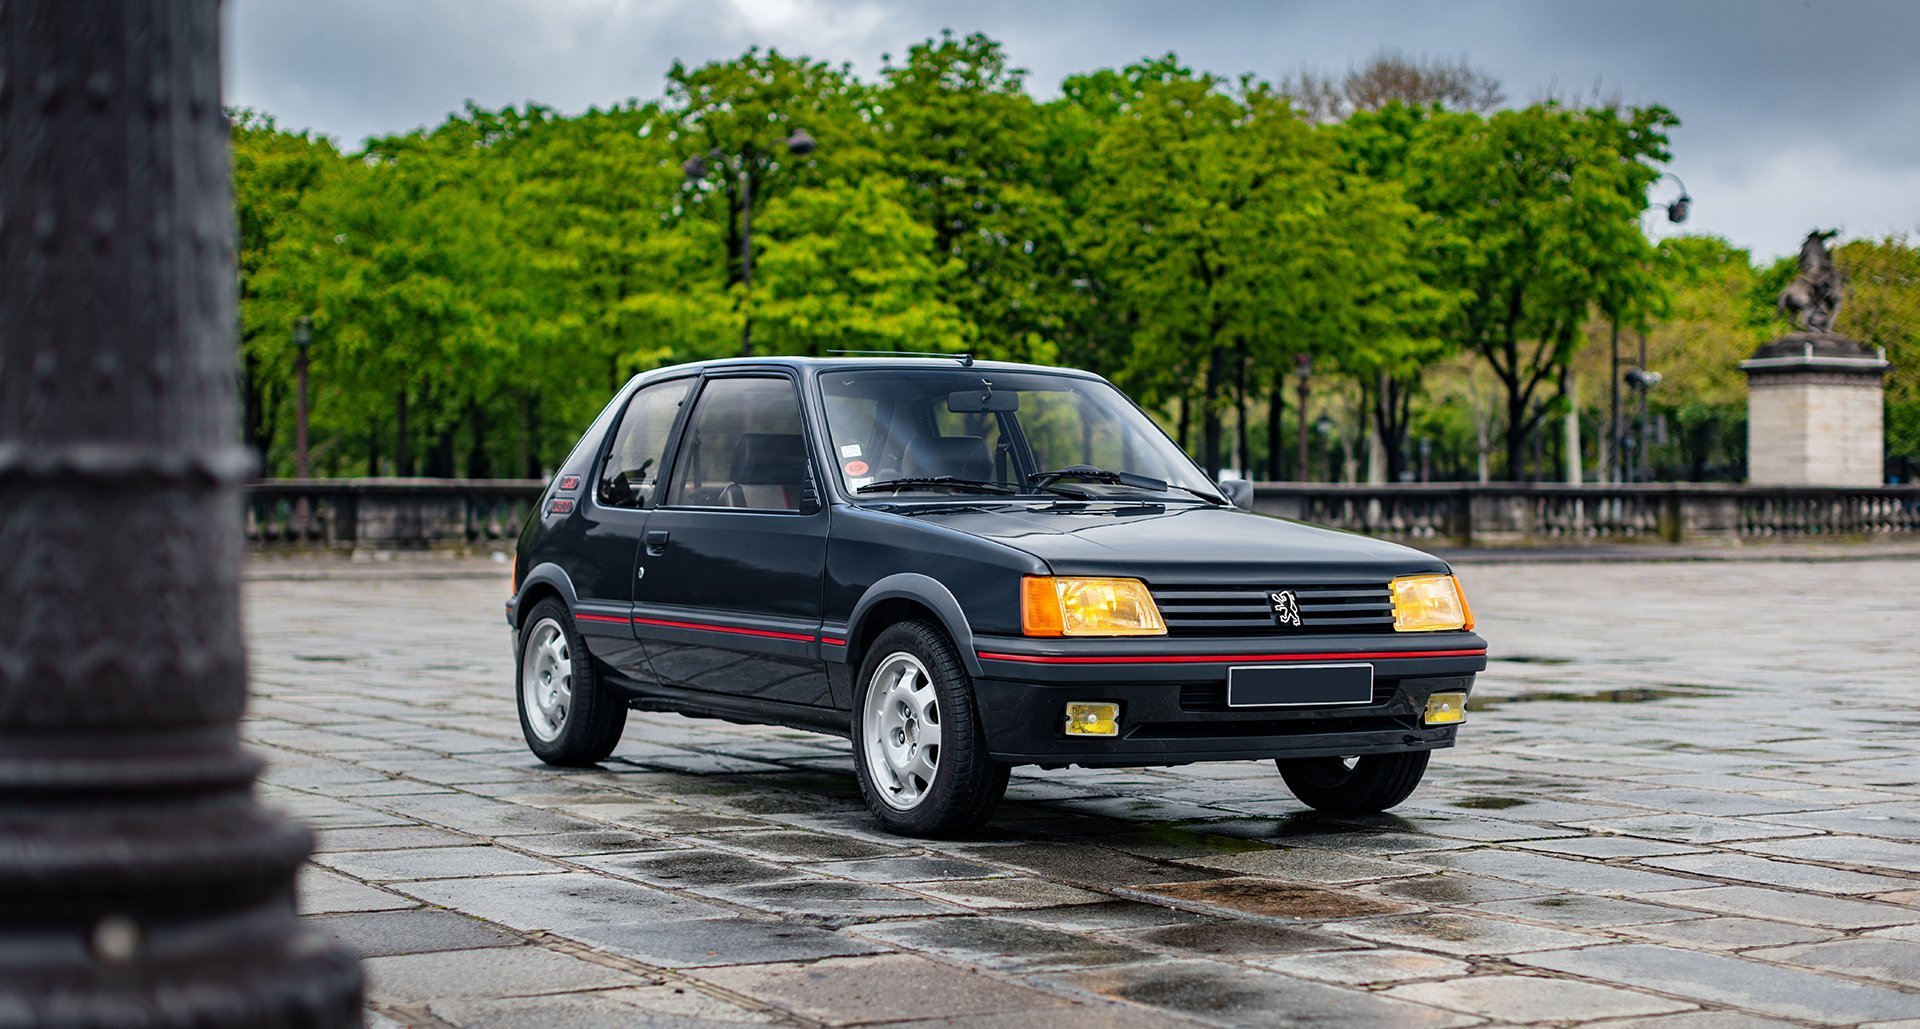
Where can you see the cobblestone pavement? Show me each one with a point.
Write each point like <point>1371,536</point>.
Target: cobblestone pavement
<point>1688,797</point>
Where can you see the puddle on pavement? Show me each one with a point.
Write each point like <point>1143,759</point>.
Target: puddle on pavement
<point>318,657</point>
<point>1633,695</point>
<point>1489,803</point>
<point>1532,659</point>
<point>1166,841</point>
<point>1258,896</point>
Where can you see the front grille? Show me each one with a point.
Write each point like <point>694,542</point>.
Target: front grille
<point>1325,610</point>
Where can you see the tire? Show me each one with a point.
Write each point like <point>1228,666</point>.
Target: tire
<point>912,684</point>
<point>1371,784</point>
<point>567,714</point>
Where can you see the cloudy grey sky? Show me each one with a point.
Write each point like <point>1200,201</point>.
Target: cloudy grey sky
<point>1795,113</point>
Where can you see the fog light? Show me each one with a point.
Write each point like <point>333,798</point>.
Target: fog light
<point>1087,718</point>
<point>1446,708</point>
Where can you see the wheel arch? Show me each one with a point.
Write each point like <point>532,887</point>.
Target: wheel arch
<point>900,597</point>
<point>545,580</point>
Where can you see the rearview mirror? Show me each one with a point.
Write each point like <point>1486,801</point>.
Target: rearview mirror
<point>982,401</point>
<point>1239,492</point>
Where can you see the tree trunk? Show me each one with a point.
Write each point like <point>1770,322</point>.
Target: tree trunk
<point>402,450</point>
<point>1185,404</point>
<point>1210,416</point>
<point>1244,461</point>
<point>1276,414</point>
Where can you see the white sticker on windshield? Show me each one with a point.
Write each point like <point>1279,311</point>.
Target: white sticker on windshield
<point>850,450</point>
<point>857,483</point>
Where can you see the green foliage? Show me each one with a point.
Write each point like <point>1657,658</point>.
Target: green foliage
<point>479,288</point>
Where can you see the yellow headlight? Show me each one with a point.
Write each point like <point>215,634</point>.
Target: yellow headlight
<point>1429,603</point>
<point>1060,606</point>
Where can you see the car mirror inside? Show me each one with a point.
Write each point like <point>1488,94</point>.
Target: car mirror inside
<point>982,401</point>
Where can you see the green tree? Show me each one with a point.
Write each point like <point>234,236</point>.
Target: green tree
<point>1882,310</point>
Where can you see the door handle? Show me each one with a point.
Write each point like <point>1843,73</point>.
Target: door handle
<point>656,542</point>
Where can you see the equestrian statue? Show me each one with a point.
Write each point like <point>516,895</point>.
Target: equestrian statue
<point>1813,297</point>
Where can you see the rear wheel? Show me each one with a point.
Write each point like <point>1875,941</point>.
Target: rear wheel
<point>1354,785</point>
<point>568,716</point>
<point>919,750</point>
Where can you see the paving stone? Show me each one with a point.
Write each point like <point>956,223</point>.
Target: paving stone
<point>1888,821</point>
<point>1896,961</point>
<point>433,863</point>
<point>559,902</point>
<point>1245,996</point>
<point>1461,827</point>
<point>1378,843</point>
<point>906,869</point>
<point>1090,865</point>
<point>1458,888</point>
<point>884,987</point>
<point>800,845</point>
<point>1563,874</point>
<point>1232,939</point>
<point>487,972</point>
<point>323,892</point>
<point>1792,874</point>
<point>1767,989</point>
<point>386,837</point>
<point>1273,898</point>
<point>829,901</point>
<point>1112,914</point>
<point>643,1007</point>
<point>1693,829</point>
<point>1309,864</point>
<point>1604,847</point>
<point>1702,1020</point>
<point>1462,935</point>
<point>693,868</point>
<point>1000,943</point>
<point>1520,998</point>
<point>723,940</point>
<point>380,933</point>
<point>1007,893</point>
<point>483,817</point>
<point>599,841</point>
<point>1860,851</point>
<point>1367,967</point>
<point>1800,908</point>
<point>1705,802</point>
<point>1586,911</point>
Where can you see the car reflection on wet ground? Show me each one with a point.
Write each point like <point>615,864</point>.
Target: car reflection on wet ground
<point>1687,796</point>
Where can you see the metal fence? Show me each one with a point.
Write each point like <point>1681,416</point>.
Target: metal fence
<point>402,514</point>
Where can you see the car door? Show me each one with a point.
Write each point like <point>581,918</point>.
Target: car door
<point>728,592</point>
<point>600,559</point>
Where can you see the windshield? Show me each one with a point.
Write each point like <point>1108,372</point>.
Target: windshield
<point>985,431</point>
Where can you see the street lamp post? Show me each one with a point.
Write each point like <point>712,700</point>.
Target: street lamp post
<point>141,882</point>
<point>302,339</point>
<point>1677,211</point>
<point>799,144</point>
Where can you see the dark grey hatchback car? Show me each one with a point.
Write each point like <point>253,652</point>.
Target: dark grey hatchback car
<point>965,567</point>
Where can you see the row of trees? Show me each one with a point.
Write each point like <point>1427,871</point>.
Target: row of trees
<point>478,289</point>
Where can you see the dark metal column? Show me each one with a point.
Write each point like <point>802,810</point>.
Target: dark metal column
<point>140,882</point>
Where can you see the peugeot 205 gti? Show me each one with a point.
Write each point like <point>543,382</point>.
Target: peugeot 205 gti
<point>966,567</point>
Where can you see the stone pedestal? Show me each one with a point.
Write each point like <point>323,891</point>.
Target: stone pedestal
<point>1814,412</point>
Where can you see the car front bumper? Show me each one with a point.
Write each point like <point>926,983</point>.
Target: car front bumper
<point>1173,704</point>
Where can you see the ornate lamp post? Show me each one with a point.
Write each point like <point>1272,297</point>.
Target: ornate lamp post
<point>302,339</point>
<point>140,882</point>
<point>800,144</point>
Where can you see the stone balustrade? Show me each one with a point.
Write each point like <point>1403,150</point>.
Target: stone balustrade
<point>486,514</point>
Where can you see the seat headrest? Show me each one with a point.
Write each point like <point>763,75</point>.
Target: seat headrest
<point>769,458</point>
<point>963,457</point>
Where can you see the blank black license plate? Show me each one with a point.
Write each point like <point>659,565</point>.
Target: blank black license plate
<point>1299,685</point>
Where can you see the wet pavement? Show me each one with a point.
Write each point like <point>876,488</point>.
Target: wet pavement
<point>1688,796</point>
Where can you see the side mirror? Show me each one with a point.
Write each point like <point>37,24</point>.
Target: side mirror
<point>1239,492</point>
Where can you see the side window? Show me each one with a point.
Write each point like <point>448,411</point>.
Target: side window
<point>639,442</point>
<point>744,448</point>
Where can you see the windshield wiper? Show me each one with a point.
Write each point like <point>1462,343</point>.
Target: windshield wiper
<point>1090,473</point>
<point>936,482</point>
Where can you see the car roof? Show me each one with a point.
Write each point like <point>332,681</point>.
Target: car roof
<point>834,364</point>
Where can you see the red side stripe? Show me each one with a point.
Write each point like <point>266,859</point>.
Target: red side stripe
<point>768,633</point>
<point>1201,659</point>
<point>600,618</point>
<point>833,641</point>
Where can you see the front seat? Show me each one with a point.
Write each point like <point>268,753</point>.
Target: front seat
<point>771,470</point>
<point>963,457</point>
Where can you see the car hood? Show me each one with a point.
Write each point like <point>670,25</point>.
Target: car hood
<point>1177,542</point>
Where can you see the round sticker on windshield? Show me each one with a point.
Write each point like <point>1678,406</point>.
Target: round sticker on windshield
<point>856,467</point>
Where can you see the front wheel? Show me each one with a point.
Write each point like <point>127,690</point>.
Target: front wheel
<point>1354,785</point>
<point>568,716</point>
<point>919,750</point>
